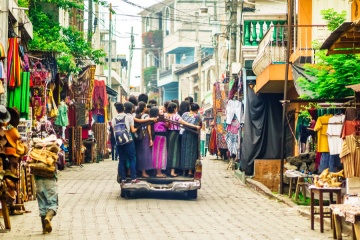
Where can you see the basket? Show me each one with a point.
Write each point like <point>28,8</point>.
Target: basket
<point>42,170</point>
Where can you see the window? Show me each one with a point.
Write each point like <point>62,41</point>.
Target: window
<point>167,21</point>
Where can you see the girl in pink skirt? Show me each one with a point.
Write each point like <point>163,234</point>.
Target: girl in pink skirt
<point>159,153</point>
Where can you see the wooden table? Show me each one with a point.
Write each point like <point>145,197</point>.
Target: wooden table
<point>350,213</point>
<point>321,191</point>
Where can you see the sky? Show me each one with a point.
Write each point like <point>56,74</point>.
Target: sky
<point>122,29</point>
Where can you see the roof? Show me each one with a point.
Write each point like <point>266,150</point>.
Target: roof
<point>355,87</point>
<point>156,7</point>
<point>344,40</point>
<point>193,65</point>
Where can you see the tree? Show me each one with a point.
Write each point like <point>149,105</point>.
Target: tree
<point>332,73</point>
<point>149,76</point>
<point>69,43</point>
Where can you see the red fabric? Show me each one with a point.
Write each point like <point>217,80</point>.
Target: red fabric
<point>317,159</point>
<point>212,144</point>
<point>72,116</point>
<point>85,133</point>
<point>100,91</point>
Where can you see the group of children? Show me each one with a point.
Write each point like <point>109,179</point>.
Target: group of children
<point>164,138</point>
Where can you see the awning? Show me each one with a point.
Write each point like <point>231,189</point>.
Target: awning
<point>111,91</point>
<point>344,40</point>
<point>298,71</point>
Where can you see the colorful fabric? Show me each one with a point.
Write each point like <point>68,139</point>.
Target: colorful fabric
<point>62,119</point>
<point>173,146</point>
<point>159,153</point>
<point>321,127</point>
<point>175,118</point>
<point>143,152</point>
<point>189,150</point>
<point>14,66</point>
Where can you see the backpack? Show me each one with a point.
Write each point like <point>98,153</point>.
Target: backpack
<point>141,130</point>
<point>122,135</point>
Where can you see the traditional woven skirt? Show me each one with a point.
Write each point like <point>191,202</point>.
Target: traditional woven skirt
<point>173,146</point>
<point>159,153</point>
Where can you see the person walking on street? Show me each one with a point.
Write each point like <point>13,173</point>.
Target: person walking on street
<point>47,197</point>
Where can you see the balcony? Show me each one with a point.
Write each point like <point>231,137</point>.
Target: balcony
<point>186,39</point>
<point>254,30</point>
<point>167,76</point>
<point>21,18</point>
<point>269,64</point>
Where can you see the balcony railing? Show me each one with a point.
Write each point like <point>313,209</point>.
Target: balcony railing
<point>271,50</point>
<point>254,30</point>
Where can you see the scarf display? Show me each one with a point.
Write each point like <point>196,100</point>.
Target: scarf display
<point>14,64</point>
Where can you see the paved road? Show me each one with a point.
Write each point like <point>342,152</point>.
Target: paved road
<point>90,208</point>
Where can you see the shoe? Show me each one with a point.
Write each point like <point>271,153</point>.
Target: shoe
<point>47,221</point>
<point>122,182</point>
<point>135,181</point>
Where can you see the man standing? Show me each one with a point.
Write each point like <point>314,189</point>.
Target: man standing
<point>126,148</point>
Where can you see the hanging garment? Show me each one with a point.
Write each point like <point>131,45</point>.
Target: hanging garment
<point>301,131</point>
<point>14,66</point>
<point>233,87</point>
<point>233,108</point>
<point>62,119</point>
<point>334,134</point>
<point>321,127</point>
<point>99,92</point>
<point>350,156</point>
<point>349,127</point>
<point>212,142</point>
<point>232,142</point>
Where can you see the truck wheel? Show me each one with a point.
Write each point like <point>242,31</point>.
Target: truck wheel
<point>192,194</point>
<point>125,193</point>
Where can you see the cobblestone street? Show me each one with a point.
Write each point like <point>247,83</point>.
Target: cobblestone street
<point>91,208</point>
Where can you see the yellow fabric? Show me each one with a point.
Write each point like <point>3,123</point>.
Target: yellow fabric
<point>321,127</point>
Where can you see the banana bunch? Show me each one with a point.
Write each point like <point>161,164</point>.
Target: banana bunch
<point>328,179</point>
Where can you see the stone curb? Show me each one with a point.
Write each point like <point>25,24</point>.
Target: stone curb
<point>303,210</point>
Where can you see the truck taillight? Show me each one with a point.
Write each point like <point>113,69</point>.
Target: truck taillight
<point>198,170</point>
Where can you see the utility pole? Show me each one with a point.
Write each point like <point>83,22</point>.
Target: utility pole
<point>199,100</point>
<point>90,21</point>
<point>110,40</point>
<point>216,45</point>
<point>131,49</point>
<point>283,129</point>
<point>233,19</point>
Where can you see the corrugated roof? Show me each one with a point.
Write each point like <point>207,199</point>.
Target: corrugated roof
<point>335,35</point>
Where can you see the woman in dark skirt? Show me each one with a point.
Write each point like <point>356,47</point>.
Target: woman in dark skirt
<point>173,142</point>
<point>190,140</point>
<point>143,145</point>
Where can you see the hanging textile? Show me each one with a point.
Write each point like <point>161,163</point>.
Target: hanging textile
<point>14,66</point>
<point>19,97</point>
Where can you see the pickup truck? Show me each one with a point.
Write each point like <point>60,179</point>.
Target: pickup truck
<point>188,185</point>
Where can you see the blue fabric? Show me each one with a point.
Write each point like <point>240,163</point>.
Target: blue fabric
<point>46,195</point>
<point>126,152</point>
<point>324,161</point>
<point>100,119</point>
<point>334,163</point>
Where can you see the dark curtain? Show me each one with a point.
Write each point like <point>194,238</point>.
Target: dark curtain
<point>262,129</point>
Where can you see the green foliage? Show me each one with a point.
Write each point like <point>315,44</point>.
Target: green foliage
<point>149,74</point>
<point>333,18</point>
<point>153,39</point>
<point>49,36</point>
<point>332,72</point>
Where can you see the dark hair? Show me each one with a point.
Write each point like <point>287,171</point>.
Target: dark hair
<point>143,98</point>
<point>189,99</point>
<point>133,100</point>
<point>153,102</point>
<point>150,106</point>
<point>184,107</point>
<point>175,101</point>
<point>166,104</point>
<point>119,107</point>
<point>194,107</point>
<point>154,112</point>
<point>140,109</point>
<point>128,106</point>
<point>171,108</point>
